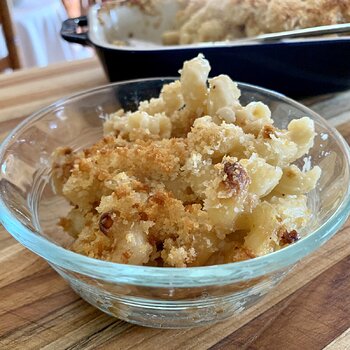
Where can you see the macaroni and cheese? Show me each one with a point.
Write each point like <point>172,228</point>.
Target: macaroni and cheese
<point>190,178</point>
<point>208,20</point>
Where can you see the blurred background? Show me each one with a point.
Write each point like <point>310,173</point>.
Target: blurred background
<point>29,33</point>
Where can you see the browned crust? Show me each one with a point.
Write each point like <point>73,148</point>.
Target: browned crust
<point>237,178</point>
<point>289,237</point>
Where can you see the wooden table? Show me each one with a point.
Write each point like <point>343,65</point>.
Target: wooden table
<point>309,310</point>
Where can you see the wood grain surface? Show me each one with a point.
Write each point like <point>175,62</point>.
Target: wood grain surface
<point>309,310</point>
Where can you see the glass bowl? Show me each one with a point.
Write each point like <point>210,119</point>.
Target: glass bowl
<point>151,296</point>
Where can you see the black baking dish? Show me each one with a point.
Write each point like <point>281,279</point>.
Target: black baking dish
<point>295,67</point>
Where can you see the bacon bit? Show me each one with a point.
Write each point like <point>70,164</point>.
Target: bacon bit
<point>267,131</point>
<point>289,237</point>
<point>106,222</point>
<point>237,178</point>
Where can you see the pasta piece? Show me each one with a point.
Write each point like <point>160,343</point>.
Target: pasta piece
<point>180,116</point>
<point>226,195</point>
<point>211,30</point>
<point>292,211</point>
<point>276,223</point>
<point>282,147</point>
<point>83,187</point>
<point>108,125</point>
<point>182,121</point>
<point>205,245</point>
<point>253,117</point>
<point>194,75</point>
<point>168,102</point>
<point>302,133</point>
<point>294,181</point>
<point>153,106</point>
<point>172,97</point>
<point>171,37</point>
<point>264,177</point>
<point>223,99</point>
<point>276,150</point>
<point>210,21</point>
<point>181,189</point>
<point>262,237</point>
<point>242,222</point>
<point>231,251</point>
<point>196,253</point>
<point>133,246</point>
<point>141,126</point>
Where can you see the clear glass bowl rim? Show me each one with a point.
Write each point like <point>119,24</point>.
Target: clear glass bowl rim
<point>166,276</point>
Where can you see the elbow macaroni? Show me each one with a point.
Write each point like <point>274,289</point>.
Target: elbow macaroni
<point>194,75</point>
<point>191,178</point>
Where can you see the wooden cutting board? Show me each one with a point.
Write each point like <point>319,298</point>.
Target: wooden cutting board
<point>309,310</point>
